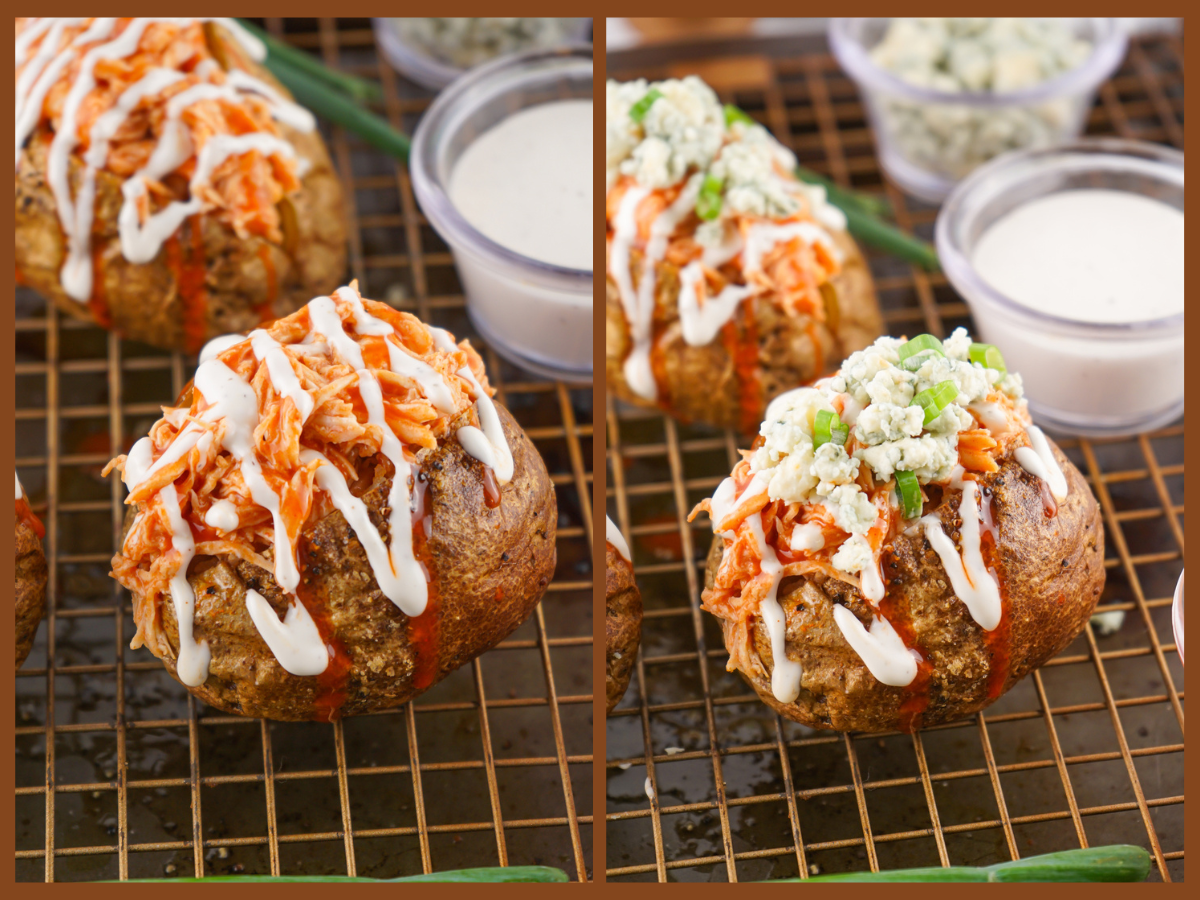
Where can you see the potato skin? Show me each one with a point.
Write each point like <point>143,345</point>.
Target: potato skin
<point>30,588</point>
<point>1051,573</point>
<point>622,624</point>
<point>701,383</point>
<point>144,301</point>
<point>492,567</point>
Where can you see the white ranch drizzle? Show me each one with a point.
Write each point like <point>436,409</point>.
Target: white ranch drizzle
<point>612,534</point>
<point>222,515</point>
<point>231,398</point>
<point>488,445</point>
<point>75,215</point>
<point>881,649</point>
<point>194,656</point>
<point>639,306</point>
<point>140,242</point>
<point>20,493</point>
<point>992,415</point>
<point>496,450</point>
<point>786,673</point>
<point>295,641</point>
<point>871,581</point>
<point>973,582</point>
<point>219,345</point>
<point>1040,462</point>
<point>762,238</point>
<point>702,317</point>
<point>412,594</point>
<point>402,363</point>
<point>279,370</point>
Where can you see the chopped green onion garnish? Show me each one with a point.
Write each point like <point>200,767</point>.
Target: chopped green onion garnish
<point>733,114</point>
<point>935,399</point>
<point>708,204</point>
<point>638,111</point>
<point>912,352</point>
<point>988,356</point>
<point>828,426</point>
<point>909,490</point>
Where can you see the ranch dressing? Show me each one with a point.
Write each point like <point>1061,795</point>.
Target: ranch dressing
<point>1090,255</point>
<point>526,183</point>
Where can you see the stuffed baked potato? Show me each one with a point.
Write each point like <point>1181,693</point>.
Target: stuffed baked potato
<point>901,546</point>
<point>31,573</point>
<point>622,615</point>
<point>166,185</point>
<point>278,566</point>
<point>728,281</point>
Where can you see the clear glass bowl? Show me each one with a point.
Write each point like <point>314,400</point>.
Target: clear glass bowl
<point>1177,616</point>
<point>1099,380</point>
<point>420,64</point>
<point>929,139</point>
<point>534,314</point>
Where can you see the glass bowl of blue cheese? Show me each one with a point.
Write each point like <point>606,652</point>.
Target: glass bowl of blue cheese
<point>945,95</point>
<point>434,51</point>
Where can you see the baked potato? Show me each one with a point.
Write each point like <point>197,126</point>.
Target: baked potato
<point>279,566</point>
<point>187,197</point>
<point>901,545</point>
<point>622,615</point>
<point>728,281</point>
<point>30,575</point>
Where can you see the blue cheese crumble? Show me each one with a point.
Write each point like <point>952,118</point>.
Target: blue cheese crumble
<point>684,133</point>
<point>875,394</point>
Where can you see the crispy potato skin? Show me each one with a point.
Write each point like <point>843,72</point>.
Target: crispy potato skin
<point>622,624</point>
<point>1051,572</point>
<point>144,301</point>
<point>701,383</point>
<point>30,588</point>
<point>491,568</point>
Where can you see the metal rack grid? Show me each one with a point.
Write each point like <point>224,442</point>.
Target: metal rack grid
<point>122,774</point>
<point>704,782</point>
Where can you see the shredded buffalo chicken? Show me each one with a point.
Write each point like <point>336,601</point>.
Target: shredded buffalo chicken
<point>244,190</point>
<point>337,428</point>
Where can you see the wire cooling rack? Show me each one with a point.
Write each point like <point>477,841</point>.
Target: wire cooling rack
<point>121,774</point>
<point>704,782</point>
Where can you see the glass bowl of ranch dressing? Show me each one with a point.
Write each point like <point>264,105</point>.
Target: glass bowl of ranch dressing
<point>1071,260</point>
<point>502,167</point>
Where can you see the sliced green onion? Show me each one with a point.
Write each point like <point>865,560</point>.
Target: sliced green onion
<point>638,111</point>
<point>988,356</point>
<point>933,400</point>
<point>708,204</point>
<point>828,426</point>
<point>733,114</point>
<point>360,89</point>
<point>909,490</point>
<point>912,351</point>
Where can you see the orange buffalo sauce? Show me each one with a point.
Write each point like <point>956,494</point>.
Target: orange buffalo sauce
<point>332,683</point>
<point>188,265</point>
<point>25,514</point>
<point>423,629</point>
<point>894,607</point>
<point>742,347</point>
<point>98,302</point>
<point>999,639</point>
